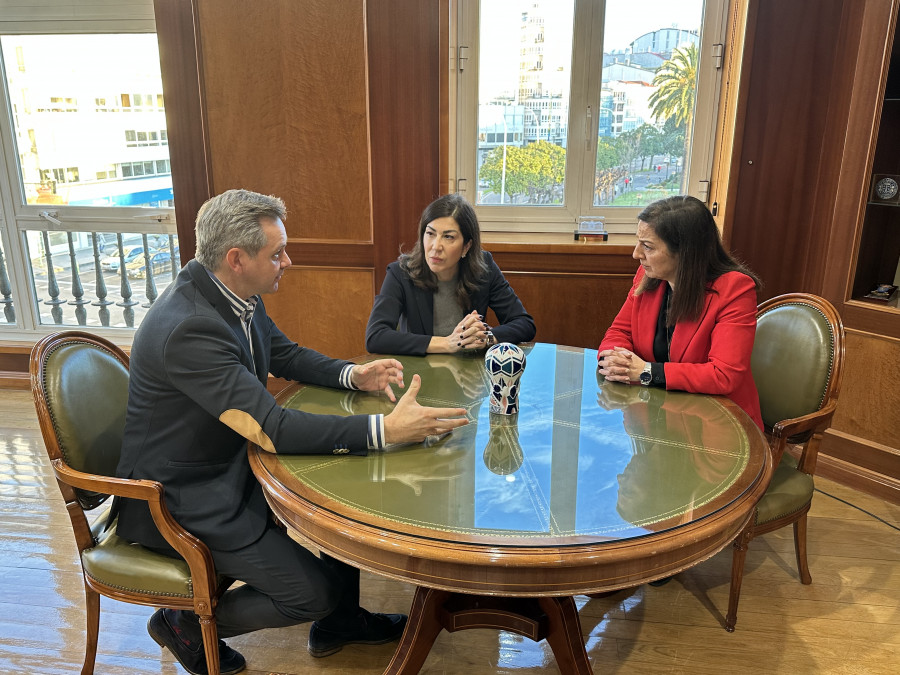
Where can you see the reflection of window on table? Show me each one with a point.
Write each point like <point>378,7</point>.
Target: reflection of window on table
<point>516,493</point>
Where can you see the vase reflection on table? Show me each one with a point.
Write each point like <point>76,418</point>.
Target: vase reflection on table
<point>503,453</point>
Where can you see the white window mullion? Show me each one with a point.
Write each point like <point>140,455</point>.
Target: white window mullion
<point>589,60</point>
<point>13,240</point>
<point>467,97</point>
<point>709,88</point>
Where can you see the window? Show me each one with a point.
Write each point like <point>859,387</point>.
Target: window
<point>108,173</point>
<point>580,108</point>
<point>131,169</point>
<point>136,139</point>
<point>138,102</point>
<point>76,185</point>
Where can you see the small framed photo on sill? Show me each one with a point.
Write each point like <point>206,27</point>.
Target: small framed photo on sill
<point>883,292</point>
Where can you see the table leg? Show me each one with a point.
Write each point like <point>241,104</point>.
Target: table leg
<point>421,631</point>
<point>564,635</point>
<point>553,619</point>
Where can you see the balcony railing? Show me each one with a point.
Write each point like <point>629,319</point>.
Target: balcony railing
<point>93,278</point>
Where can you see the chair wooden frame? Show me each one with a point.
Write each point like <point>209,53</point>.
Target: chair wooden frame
<point>806,431</point>
<point>205,584</point>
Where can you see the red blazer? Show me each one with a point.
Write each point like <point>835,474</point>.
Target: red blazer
<point>708,356</point>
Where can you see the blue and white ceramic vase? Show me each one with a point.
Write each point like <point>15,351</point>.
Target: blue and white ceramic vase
<point>505,363</point>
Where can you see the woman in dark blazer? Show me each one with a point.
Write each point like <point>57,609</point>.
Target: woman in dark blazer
<point>689,320</point>
<point>434,299</point>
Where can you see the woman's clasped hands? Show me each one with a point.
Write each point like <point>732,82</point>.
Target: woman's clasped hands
<point>470,333</point>
<point>620,365</point>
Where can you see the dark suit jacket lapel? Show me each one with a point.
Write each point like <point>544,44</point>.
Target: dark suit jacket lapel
<point>425,307</point>
<point>260,351</point>
<point>213,295</point>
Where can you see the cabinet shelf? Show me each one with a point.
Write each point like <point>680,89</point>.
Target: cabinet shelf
<point>892,305</point>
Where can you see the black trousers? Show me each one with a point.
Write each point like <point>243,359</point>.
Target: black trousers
<point>284,584</point>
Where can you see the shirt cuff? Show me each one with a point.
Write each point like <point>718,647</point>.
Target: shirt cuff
<point>658,375</point>
<point>375,433</point>
<point>345,379</point>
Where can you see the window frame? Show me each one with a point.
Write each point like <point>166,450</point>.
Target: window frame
<point>57,17</point>
<point>582,133</point>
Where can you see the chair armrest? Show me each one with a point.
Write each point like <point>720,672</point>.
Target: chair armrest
<point>194,551</point>
<point>815,422</point>
<point>146,490</point>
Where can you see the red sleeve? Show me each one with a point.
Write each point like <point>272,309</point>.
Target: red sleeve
<point>717,359</point>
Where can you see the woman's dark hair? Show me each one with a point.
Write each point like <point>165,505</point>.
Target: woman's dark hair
<point>472,268</point>
<point>687,228</point>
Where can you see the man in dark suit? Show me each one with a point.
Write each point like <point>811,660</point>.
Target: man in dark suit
<point>197,394</point>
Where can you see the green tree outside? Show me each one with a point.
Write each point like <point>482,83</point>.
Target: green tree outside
<point>676,82</point>
<point>538,170</point>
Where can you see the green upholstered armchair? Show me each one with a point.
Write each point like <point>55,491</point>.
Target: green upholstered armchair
<point>797,365</point>
<point>80,387</point>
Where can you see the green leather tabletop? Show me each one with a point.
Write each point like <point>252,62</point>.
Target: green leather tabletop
<point>584,460</point>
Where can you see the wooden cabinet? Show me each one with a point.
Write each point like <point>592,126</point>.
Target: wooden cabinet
<point>879,244</point>
<point>863,447</point>
<point>864,235</point>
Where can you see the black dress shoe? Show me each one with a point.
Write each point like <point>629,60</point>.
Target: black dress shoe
<point>185,643</point>
<point>373,629</point>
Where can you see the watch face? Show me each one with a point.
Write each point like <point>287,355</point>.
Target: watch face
<point>646,377</point>
<point>887,188</point>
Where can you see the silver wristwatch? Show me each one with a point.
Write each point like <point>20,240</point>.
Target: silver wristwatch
<point>646,375</point>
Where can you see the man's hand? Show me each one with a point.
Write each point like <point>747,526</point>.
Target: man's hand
<point>378,376</point>
<point>411,423</point>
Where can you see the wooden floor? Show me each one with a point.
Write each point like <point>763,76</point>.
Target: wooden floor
<point>847,621</point>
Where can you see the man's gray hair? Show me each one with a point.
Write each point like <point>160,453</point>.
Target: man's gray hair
<point>231,220</point>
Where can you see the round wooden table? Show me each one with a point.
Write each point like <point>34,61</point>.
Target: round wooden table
<point>593,486</point>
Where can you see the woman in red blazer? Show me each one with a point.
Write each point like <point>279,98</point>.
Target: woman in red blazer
<point>689,320</point>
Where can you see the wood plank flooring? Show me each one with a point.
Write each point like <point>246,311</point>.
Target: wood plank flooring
<point>847,621</point>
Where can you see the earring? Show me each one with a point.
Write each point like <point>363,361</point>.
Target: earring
<point>463,255</point>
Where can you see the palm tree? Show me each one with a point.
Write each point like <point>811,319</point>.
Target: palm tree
<point>676,82</point>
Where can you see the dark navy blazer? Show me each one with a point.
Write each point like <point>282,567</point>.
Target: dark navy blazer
<point>194,399</point>
<point>402,318</point>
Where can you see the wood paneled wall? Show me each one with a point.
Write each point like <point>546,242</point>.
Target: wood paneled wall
<point>181,65</point>
<point>407,66</point>
<point>779,172</point>
<point>286,104</point>
<point>324,306</point>
<point>334,107</point>
<point>571,309</point>
<point>573,291</point>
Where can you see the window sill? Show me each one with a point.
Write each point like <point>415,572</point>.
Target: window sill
<point>558,253</point>
<point>555,242</point>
